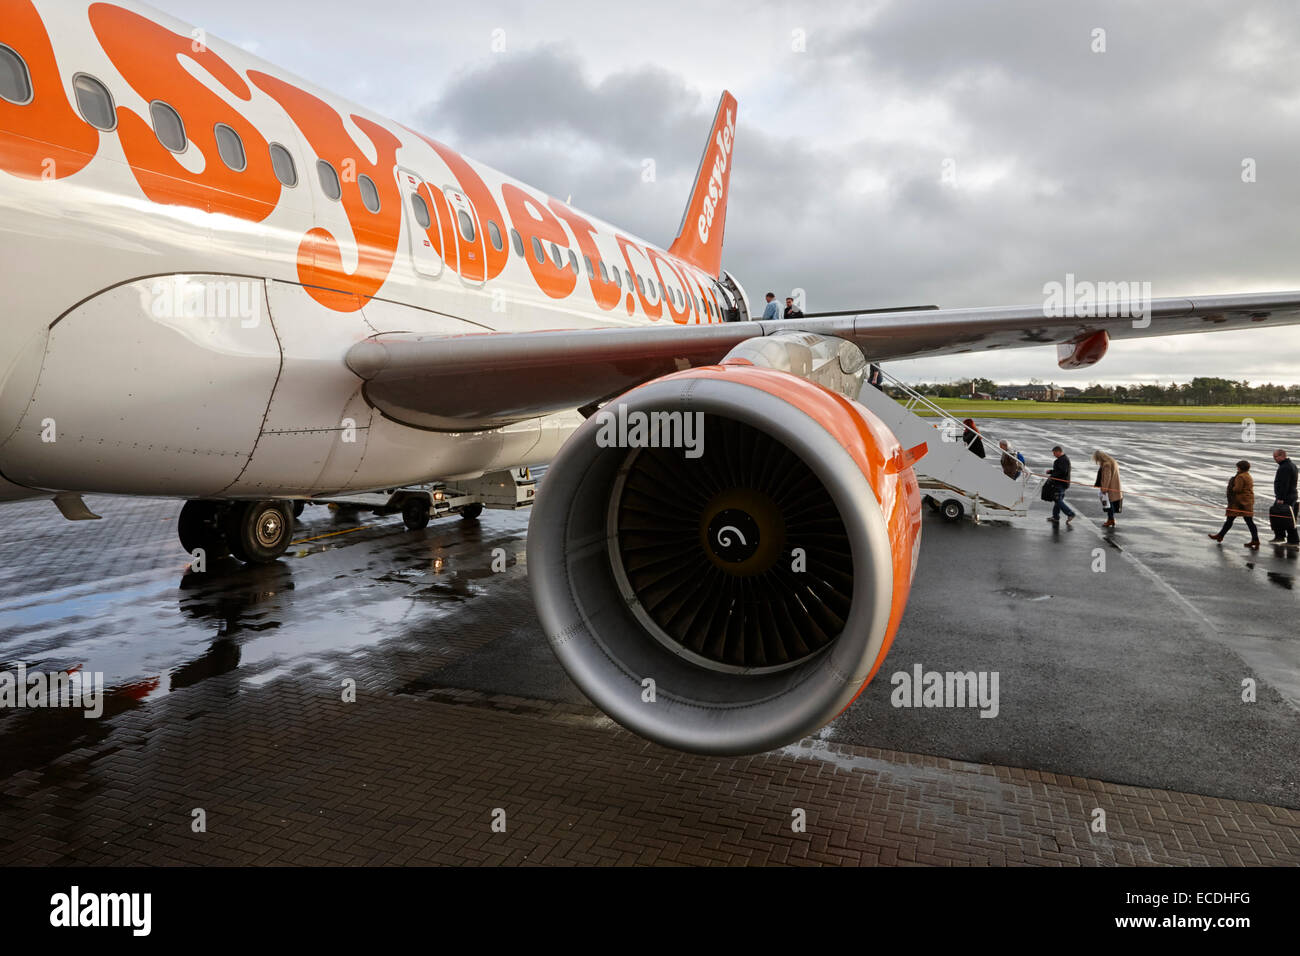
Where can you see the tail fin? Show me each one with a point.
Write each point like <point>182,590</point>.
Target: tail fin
<point>699,241</point>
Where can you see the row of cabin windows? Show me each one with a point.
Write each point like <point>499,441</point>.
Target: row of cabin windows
<point>97,108</point>
<point>619,276</point>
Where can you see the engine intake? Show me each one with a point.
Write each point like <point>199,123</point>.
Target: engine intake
<point>721,557</point>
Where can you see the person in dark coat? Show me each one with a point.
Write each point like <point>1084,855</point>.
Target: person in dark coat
<point>1282,516</point>
<point>1241,504</point>
<point>1059,476</point>
<point>792,311</point>
<point>971,437</point>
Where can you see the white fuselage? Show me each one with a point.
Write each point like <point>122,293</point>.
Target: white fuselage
<point>173,326</point>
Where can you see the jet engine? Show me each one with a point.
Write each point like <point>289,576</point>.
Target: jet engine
<point>721,557</point>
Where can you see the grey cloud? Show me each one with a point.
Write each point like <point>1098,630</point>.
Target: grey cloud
<point>1122,165</point>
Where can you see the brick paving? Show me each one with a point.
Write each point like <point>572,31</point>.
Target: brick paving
<point>227,698</point>
<point>287,773</point>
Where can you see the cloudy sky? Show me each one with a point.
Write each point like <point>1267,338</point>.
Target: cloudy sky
<point>1122,165</point>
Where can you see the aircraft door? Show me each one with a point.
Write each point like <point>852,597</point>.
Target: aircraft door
<point>423,226</point>
<point>469,237</point>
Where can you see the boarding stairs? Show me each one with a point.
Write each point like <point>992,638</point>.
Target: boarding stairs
<point>953,479</point>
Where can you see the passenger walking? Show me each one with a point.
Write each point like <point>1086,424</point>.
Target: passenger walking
<point>971,437</point>
<point>771,310</point>
<point>1013,463</point>
<point>1059,476</point>
<point>1241,503</point>
<point>876,377</point>
<point>792,311</point>
<point>1282,516</point>
<point>1107,485</point>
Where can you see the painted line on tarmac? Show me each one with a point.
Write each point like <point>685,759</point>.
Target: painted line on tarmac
<point>332,534</point>
<point>1194,613</point>
<point>1169,589</point>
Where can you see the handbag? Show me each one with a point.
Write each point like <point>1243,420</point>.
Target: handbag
<point>1048,491</point>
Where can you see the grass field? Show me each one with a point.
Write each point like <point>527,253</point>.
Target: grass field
<point>1099,412</point>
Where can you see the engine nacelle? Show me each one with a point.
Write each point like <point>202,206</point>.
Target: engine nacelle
<point>735,592</point>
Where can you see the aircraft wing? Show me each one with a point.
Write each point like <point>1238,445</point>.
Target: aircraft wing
<point>466,382</point>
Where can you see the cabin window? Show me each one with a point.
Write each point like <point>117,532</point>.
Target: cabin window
<point>591,272</point>
<point>15,81</point>
<point>517,241</point>
<point>573,262</point>
<point>640,285</point>
<point>663,292</point>
<point>167,126</point>
<point>369,192</point>
<point>604,273</point>
<point>230,147</point>
<point>329,180</point>
<point>538,254</point>
<point>555,254</point>
<point>494,233</point>
<point>95,102</point>
<point>282,163</point>
<point>466,225</point>
<point>421,210</point>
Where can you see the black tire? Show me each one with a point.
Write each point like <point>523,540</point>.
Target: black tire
<point>952,510</point>
<point>470,512</point>
<point>258,532</point>
<point>199,526</point>
<point>415,513</point>
<point>298,508</point>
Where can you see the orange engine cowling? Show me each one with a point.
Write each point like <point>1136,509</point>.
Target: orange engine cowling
<point>721,557</point>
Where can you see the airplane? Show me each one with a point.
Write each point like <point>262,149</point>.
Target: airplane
<point>226,285</point>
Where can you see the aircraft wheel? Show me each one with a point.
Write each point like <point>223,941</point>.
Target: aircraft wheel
<point>298,508</point>
<point>952,510</point>
<point>199,526</point>
<point>470,512</point>
<point>415,513</point>
<point>258,532</point>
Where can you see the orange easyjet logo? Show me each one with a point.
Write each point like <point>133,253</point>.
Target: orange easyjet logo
<point>717,185</point>
<point>45,138</point>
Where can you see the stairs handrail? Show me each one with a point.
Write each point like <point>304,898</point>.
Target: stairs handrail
<point>916,398</point>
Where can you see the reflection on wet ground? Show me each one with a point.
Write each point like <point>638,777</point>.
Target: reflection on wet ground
<point>1131,675</point>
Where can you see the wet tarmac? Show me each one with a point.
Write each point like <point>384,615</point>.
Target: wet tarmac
<point>1132,674</point>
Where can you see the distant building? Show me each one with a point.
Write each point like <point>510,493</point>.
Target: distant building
<point>1032,393</point>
